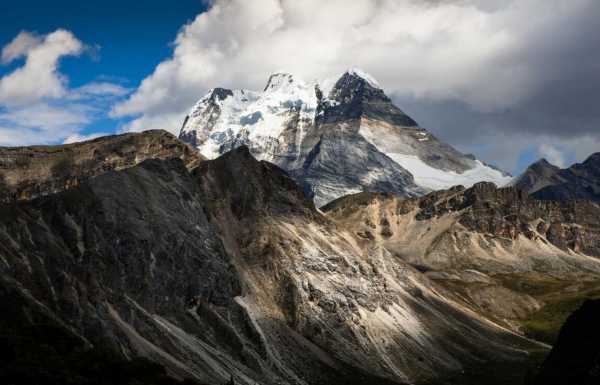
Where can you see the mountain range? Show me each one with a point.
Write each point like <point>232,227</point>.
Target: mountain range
<point>224,270</point>
<point>334,137</point>
<point>546,181</point>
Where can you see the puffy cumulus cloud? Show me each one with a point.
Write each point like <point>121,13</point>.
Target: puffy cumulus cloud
<point>21,44</point>
<point>36,104</point>
<point>408,45</point>
<point>39,77</point>
<point>471,68</point>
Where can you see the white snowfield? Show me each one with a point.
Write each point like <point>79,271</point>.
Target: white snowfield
<point>260,117</point>
<point>436,179</point>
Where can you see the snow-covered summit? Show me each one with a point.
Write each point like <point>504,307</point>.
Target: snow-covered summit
<point>334,137</point>
<point>366,76</point>
<point>280,81</point>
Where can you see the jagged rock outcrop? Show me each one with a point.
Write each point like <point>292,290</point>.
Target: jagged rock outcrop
<point>29,172</point>
<point>498,214</point>
<point>548,182</point>
<point>334,137</point>
<point>229,270</point>
<point>499,248</point>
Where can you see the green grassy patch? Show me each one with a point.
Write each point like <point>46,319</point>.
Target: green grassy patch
<point>560,298</point>
<point>544,325</point>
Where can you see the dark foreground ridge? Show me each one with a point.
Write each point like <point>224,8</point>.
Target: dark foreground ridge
<point>575,359</point>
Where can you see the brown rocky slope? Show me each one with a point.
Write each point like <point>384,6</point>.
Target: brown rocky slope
<point>505,253</point>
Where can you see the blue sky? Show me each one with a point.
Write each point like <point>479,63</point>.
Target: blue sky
<point>124,40</point>
<point>133,36</point>
<point>470,71</point>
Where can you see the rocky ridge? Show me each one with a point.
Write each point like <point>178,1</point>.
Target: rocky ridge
<point>30,172</point>
<point>227,269</point>
<point>500,249</point>
<point>548,182</point>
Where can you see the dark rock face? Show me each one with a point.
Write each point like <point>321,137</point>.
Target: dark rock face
<point>548,182</point>
<point>129,261</point>
<point>537,176</point>
<point>252,188</point>
<point>105,256</point>
<point>342,161</point>
<point>353,98</point>
<point>575,359</point>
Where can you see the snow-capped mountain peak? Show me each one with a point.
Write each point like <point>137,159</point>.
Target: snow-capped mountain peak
<point>365,76</point>
<point>334,137</point>
<point>280,81</point>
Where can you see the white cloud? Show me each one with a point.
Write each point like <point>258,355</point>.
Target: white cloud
<point>36,104</point>
<point>461,50</point>
<point>100,89</point>
<point>48,117</point>
<point>43,123</point>
<point>82,138</point>
<point>552,154</point>
<point>23,43</point>
<point>491,56</point>
<point>39,77</point>
<point>563,153</point>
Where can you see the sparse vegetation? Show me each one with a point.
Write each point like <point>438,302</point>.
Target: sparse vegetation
<point>560,298</point>
<point>544,325</point>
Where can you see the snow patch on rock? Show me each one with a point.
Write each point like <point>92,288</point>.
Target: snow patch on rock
<point>436,179</point>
